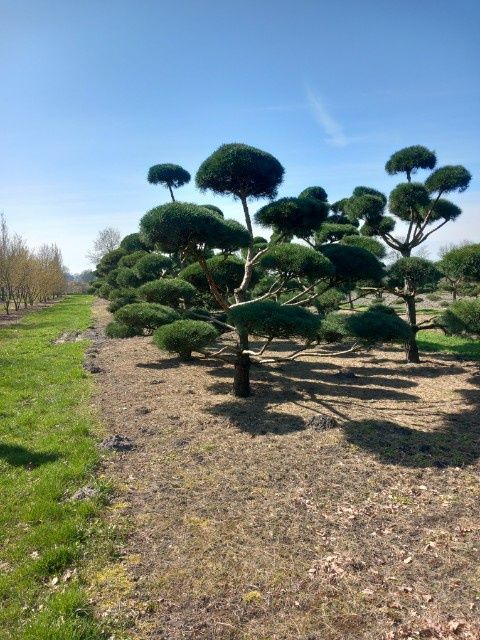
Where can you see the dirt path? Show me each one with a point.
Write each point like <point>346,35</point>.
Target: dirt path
<point>247,524</point>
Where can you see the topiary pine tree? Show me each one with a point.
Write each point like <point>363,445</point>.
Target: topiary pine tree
<point>460,265</point>
<point>169,175</point>
<point>422,209</point>
<point>294,275</point>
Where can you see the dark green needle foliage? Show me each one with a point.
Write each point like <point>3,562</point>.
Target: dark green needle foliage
<point>241,170</point>
<point>121,297</point>
<point>171,176</point>
<point>461,265</point>
<point>369,327</point>
<point>273,320</point>
<point>214,209</point>
<point>133,242</point>
<point>152,266</point>
<point>295,260</point>
<point>109,261</point>
<point>368,191</point>
<point>227,271</point>
<point>131,259</point>
<point>406,198</point>
<point>119,330</point>
<point>127,277</point>
<point>185,227</point>
<point>353,263</point>
<point>169,291</point>
<point>448,179</point>
<point>293,216</point>
<point>410,159</point>
<point>462,317</point>
<point>364,242</point>
<point>418,273</point>
<point>184,336</point>
<point>317,193</point>
<point>333,232</point>
<point>145,317</point>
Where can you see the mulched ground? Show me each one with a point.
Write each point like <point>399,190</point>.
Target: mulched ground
<point>246,522</point>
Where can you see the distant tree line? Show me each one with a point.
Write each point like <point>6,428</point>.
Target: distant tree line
<point>28,276</point>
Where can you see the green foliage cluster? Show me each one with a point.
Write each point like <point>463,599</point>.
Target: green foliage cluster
<point>184,336</point>
<point>145,317</point>
<point>291,260</point>
<point>462,317</point>
<point>227,271</point>
<point>241,170</point>
<point>186,227</point>
<point>168,291</point>
<point>418,272</point>
<point>273,320</point>
<point>372,326</point>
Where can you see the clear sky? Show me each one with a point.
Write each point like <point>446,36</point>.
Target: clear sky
<point>95,92</point>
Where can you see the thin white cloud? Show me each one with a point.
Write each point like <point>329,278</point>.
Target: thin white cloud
<point>333,129</point>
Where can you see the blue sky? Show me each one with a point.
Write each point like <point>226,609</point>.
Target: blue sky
<point>94,92</point>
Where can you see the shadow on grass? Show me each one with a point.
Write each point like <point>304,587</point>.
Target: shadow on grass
<point>19,456</point>
<point>469,350</point>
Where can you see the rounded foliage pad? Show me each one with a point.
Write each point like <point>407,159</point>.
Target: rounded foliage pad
<point>241,170</point>
<point>178,226</point>
<point>410,159</point>
<point>144,316</point>
<point>185,336</point>
<point>171,175</point>
<point>272,320</point>
<point>295,260</point>
<point>353,263</point>
<point>168,291</point>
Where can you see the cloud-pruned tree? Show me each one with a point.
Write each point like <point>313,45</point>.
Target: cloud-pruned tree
<point>171,176</point>
<point>422,209</point>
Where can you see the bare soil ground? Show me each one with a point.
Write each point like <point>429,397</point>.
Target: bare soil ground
<point>246,524</point>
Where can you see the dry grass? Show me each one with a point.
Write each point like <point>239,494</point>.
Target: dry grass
<point>246,525</point>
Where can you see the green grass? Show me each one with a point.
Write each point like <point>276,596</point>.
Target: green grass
<point>47,451</point>
<point>435,341</point>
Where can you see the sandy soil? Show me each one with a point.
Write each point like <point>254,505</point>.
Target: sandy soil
<point>244,523</point>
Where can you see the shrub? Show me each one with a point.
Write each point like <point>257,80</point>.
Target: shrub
<point>462,317</point>
<point>444,303</point>
<point>118,330</point>
<point>144,316</point>
<point>169,291</point>
<point>433,297</point>
<point>328,301</point>
<point>184,336</point>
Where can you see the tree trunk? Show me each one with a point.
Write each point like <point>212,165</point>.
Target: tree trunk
<point>411,346</point>
<point>350,301</point>
<point>241,378</point>
<point>171,193</point>
<point>454,293</point>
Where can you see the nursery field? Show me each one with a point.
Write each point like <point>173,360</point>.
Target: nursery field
<point>249,519</point>
<point>47,452</point>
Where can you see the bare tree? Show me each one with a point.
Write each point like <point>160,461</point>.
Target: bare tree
<point>107,240</point>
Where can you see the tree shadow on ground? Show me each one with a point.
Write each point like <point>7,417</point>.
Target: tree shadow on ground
<point>456,444</point>
<point>19,456</point>
<point>299,383</point>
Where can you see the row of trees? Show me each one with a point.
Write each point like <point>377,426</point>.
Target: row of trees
<point>28,276</point>
<point>189,270</point>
